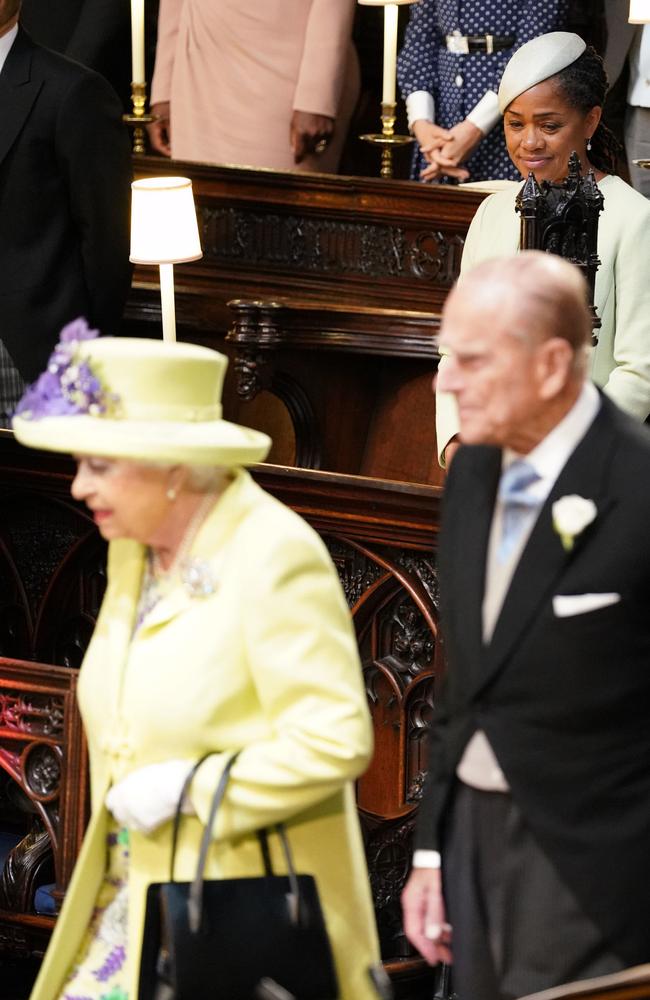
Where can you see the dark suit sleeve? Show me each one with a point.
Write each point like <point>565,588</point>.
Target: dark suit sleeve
<point>437,783</point>
<point>440,772</point>
<point>99,25</point>
<point>93,153</point>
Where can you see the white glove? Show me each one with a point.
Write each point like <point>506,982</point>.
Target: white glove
<point>148,797</point>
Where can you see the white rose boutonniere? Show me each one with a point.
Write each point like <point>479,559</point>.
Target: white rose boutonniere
<point>571,515</point>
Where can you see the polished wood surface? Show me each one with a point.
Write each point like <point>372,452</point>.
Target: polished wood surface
<point>332,240</point>
<point>355,385</point>
<point>629,984</point>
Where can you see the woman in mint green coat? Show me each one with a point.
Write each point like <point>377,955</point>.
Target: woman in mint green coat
<point>551,94</point>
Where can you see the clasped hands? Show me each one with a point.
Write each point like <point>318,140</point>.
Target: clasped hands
<point>445,150</point>
<point>149,796</point>
<point>425,919</point>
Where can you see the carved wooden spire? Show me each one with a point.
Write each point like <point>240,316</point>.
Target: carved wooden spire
<point>563,219</point>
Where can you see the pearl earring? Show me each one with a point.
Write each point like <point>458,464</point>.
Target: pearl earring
<point>171,494</point>
<point>589,144</point>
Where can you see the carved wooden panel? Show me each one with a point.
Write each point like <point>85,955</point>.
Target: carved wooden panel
<point>317,361</point>
<point>329,247</point>
<point>52,578</point>
<point>42,787</point>
<point>393,599</point>
<point>336,240</point>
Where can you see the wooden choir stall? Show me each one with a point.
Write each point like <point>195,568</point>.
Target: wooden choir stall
<point>326,293</point>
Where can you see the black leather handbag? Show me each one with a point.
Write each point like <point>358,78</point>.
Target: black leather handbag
<point>260,938</point>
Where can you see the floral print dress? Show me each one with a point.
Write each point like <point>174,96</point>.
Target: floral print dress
<point>100,969</point>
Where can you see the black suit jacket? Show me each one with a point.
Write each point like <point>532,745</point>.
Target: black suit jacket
<point>565,702</point>
<point>65,172</point>
<point>96,33</point>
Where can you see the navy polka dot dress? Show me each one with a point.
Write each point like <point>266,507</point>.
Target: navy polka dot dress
<point>458,82</point>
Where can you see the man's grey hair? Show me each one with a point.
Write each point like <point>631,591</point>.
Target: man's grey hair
<point>541,296</point>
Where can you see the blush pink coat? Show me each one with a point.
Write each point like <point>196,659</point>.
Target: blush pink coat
<point>234,71</point>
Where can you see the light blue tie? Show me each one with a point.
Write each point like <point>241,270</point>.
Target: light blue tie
<point>517,504</point>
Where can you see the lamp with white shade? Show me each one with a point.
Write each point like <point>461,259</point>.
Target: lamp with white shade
<point>639,12</point>
<point>388,140</point>
<point>164,231</point>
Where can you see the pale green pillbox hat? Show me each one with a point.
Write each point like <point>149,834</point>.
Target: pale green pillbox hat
<point>536,61</point>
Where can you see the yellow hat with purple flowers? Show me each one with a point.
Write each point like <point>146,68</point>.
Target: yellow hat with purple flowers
<point>121,397</point>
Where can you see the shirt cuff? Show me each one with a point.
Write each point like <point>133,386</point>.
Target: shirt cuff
<point>426,859</point>
<point>420,105</point>
<point>485,114</point>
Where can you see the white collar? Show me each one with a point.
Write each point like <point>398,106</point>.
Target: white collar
<point>549,457</point>
<point>6,41</point>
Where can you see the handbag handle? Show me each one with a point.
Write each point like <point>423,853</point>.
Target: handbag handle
<point>195,897</point>
<point>181,801</point>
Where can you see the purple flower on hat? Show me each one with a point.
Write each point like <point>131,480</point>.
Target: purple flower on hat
<point>67,386</point>
<point>77,330</point>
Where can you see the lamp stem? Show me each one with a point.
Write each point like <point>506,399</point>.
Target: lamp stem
<point>167,301</point>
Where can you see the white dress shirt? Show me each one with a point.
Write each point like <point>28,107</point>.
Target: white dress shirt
<point>478,766</point>
<point>548,459</point>
<point>6,41</point>
<point>638,89</point>
<point>485,115</point>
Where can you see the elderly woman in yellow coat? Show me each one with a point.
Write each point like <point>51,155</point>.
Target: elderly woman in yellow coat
<point>223,628</point>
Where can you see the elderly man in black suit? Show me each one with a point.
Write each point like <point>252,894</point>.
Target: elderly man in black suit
<point>537,800</point>
<point>65,172</point>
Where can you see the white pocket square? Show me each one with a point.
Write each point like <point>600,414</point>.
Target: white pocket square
<point>566,605</point>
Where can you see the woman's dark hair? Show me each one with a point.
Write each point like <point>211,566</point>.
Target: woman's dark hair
<point>584,85</point>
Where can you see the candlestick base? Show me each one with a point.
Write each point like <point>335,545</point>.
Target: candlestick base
<point>138,118</point>
<point>388,140</point>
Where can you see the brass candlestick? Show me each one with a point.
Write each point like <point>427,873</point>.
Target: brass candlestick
<point>138,118</point>
<point>387,140</point>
